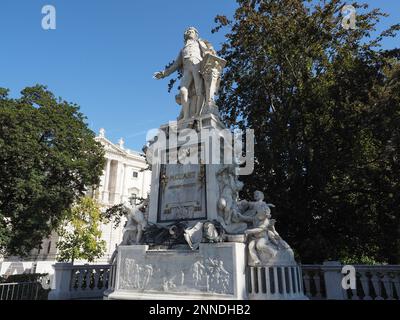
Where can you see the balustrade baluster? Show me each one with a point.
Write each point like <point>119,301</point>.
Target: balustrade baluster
<point>291,291</point>
<point>267,281</point>
<point>317,282</point>
<point>365,285</point>
<point>396,281</point>
<point>387,282</point>
<point>259,280</point>
<point>88,273</point>
<point>80,280</point>
<point>97,279</point>
<point>252,277</point>
<point>276,281</point>
<point>376,282</point>
<point>284,284</point>
<point>307,284</point>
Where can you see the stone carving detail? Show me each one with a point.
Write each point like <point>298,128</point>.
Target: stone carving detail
<point>168,283</point>
<point>228,210</point>
<point>212,275</point>
<point>219,278</point>
<point>136,275</point>
<point>211,70</point>
<point>208,232</point>
<point>201,71</point>
<point>192,275</point>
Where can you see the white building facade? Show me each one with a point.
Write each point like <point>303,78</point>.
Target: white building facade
<point>124,178</point>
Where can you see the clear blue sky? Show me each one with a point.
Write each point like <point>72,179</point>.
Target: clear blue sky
<point>103,54</point>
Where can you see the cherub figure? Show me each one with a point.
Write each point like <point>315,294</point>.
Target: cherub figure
<point>258,236</point>
<point>136,223</point>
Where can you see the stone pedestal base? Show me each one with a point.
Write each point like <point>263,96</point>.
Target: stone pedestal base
<point>215,271</point>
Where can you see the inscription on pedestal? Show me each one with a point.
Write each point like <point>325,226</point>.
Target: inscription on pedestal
<point>182,193</point>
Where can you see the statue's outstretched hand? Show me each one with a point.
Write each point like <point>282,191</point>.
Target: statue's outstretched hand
<point>158,75</point>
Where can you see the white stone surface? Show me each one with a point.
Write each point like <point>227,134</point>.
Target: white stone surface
<point>195,194</point>
<point>201,70</point>
<point>216,271</point>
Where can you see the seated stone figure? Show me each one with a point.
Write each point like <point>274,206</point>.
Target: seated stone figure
<point>264,243</point>
<point>258,238</point>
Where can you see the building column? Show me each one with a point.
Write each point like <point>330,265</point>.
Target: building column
<point>118,182</point>
<point>106,192</point>
<point>123,183</point>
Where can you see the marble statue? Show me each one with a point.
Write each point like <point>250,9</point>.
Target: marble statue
<point>264,243</point>
<point>206,232</point>
<point>197,205</point>
<point>228,210</point>
<point>136,223</point>
<point>258,238</point>
<point>201,70</point>
<point>252,207</point>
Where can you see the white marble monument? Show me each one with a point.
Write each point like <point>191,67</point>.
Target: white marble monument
<point>199,241</point>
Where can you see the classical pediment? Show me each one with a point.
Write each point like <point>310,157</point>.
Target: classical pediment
<point>117,151</point>
<point>111,147</point>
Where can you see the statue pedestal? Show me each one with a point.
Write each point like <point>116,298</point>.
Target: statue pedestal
<point>215,271</point>
<point>187,192</point>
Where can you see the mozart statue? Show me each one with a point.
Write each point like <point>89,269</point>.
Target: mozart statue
<point>201,70</point>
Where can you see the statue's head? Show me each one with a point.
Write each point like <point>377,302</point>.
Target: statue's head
<point>258,195</point>
<point>191,33</point>
<point>210,231</point>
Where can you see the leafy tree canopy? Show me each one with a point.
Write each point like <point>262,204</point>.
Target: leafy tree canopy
<point>48,156</point>
<point>324,103</point>
<point>80,234</point>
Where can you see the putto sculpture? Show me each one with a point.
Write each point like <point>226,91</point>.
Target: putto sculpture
<point>265,246</point>
<point>201,70</point>
<point>136,223</point>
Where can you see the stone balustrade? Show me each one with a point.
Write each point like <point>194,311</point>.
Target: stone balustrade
<point>380,282</point>
<point>274,283</point>
<point>376,282</point>
<point>79,281</point>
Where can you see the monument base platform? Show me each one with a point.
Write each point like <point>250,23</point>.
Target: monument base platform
<point>217,271</point>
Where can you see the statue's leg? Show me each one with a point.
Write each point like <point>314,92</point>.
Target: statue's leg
<point>253,252</point>
<point>185,84</point>
<point>198,83</point>
<point>125,238</point>
<point>264,245</point>
<point>139,234</point>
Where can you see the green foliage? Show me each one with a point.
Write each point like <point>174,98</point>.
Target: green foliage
<point>48,156</point>
<point>116,213</point>
<point>324,103</point>
<point>80,234</point>
<point>359,260</point>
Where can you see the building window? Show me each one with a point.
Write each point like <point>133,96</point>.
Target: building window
<point>135,174</point>
<point>133,198</point>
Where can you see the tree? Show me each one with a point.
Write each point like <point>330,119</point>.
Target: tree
<point>48,157</point>
<point>324,103</point>
<point>80,234</point>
